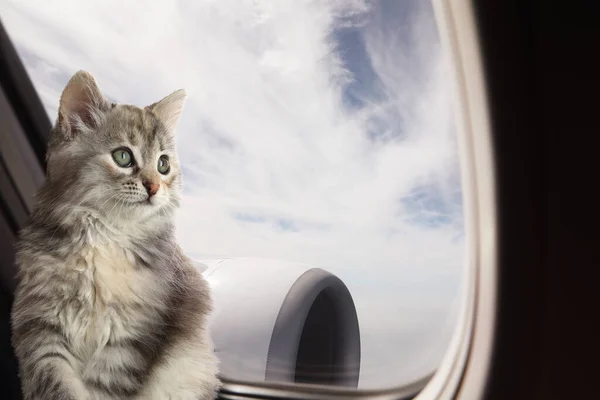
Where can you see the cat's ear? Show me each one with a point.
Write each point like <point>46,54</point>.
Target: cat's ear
<point>169,109</point>
<point>81,105</point>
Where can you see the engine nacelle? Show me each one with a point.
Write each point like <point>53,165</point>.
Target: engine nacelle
<point>282,322</point>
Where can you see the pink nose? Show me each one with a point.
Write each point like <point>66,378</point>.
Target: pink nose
<point>151,187</point>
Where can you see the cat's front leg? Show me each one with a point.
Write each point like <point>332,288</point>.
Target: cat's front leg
<point>45,364</point>
<point>187,370</point>
<point>51,379</point>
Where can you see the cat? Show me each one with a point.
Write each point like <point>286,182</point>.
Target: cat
<point>107,305</point>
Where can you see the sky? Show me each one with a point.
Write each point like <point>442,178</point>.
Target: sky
<point>318,131</point>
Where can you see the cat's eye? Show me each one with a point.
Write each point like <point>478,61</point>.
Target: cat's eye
<point>123,158</point>
<point>163,165</point>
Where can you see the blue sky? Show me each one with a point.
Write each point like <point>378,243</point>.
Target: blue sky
<point>315,131</point>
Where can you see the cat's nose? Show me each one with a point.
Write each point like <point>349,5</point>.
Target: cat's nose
<point>151,188</point>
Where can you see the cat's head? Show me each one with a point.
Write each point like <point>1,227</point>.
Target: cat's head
<point>115,159</point>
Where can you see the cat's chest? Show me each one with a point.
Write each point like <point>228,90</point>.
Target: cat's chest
<point>115,299</point>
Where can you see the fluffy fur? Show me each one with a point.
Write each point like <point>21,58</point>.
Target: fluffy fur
<point>107,305</point>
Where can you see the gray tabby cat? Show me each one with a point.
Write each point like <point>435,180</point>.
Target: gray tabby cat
<point>107,305</point>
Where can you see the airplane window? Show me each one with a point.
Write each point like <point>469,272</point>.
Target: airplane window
<point>322,193</point>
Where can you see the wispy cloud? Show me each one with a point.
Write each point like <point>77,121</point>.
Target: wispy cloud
<point>315,131</point>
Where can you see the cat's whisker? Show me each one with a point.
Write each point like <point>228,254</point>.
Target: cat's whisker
<point>122,206</point>
<point>108,217</point>
<point>107,200</point>
<point>58,226</point>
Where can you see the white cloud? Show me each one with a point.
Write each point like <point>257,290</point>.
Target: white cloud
<point>277,163</point>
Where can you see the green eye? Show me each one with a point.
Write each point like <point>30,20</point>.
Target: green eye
<point>123,158</point>
<point>163,165</point>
